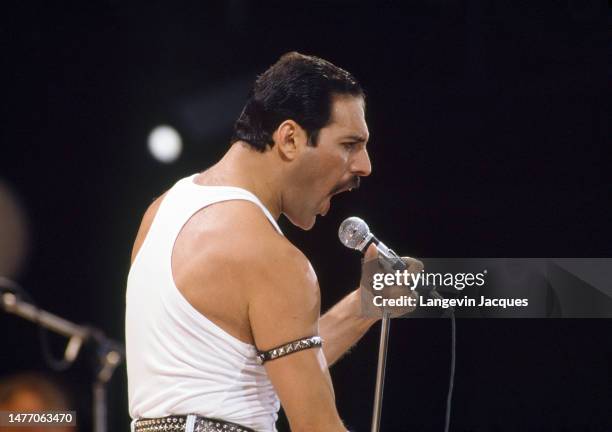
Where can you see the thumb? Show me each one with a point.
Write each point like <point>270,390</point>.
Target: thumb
<point>371,253</point>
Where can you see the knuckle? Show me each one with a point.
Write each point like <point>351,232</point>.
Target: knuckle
<point>414,265</point>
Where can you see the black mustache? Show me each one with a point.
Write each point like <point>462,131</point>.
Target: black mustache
<point>353,183</point>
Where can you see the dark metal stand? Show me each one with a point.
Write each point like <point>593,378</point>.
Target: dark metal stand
<point>380,371</point>
<point>109,356</point>
<point>109,352</point>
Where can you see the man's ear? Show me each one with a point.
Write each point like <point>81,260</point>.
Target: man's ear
<point>289,139</point>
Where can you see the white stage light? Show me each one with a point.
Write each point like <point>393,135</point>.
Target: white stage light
<point>165,144</point>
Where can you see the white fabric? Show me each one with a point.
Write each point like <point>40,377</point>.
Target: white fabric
<point>178,361</point>
<point>190,423</point>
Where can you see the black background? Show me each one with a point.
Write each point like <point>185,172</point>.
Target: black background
<point>489,124</point>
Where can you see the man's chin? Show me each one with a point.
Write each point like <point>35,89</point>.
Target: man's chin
<point>305,224</point>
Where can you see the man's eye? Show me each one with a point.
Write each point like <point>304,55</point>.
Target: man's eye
<point>350,145</point>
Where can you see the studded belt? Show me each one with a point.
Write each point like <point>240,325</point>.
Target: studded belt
<point>187,423</point>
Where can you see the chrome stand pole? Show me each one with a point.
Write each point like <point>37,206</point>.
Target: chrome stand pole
<point>380,371</point>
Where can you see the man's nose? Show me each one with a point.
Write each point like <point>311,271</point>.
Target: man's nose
<point>361,164</point>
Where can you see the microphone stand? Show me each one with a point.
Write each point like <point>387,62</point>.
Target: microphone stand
<point>109,352</point>
<point>380,371</point>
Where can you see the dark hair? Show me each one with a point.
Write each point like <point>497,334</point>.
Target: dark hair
<point>296,87</point>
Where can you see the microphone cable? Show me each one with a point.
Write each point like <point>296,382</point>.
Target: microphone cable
<point>449,397</point>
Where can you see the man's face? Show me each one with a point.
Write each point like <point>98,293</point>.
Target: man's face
<point>333,166</point>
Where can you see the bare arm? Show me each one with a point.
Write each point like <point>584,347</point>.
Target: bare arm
<point>344,324</point>
<point>342,327</point>
<point>284,306</point>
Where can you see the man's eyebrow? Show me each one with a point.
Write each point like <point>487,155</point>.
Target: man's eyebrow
<point>355,138</point>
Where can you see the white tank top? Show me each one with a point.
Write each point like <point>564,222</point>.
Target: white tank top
<point>178,361</point>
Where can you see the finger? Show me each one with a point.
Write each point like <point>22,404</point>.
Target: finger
<point>414,265</point>
<point>371,253</point>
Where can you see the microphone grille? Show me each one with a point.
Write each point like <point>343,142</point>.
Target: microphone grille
<point>353,232</point>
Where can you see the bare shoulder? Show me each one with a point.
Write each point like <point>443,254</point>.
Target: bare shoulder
<point>280,286</point>
<point>272,277</point>
<point>145,225</point>
<point>268,251</point>
<point>246,240</point>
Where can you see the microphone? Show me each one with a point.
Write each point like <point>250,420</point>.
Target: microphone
<point>354,233</point>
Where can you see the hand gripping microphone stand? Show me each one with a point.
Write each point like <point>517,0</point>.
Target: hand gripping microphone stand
<point>109,353</point>
<point>354,233</point>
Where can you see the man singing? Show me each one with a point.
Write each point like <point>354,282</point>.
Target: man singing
<point>223,312</point>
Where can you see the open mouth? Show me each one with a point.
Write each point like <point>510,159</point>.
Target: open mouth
<point>348,186</point>
<point>353,183</point>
